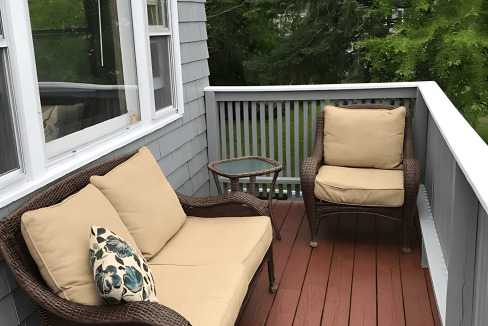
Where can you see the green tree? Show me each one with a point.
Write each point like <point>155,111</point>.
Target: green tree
<point>56,14</point>
<point>237,30</point>
<point>314,45</point>
<point>442,40</point>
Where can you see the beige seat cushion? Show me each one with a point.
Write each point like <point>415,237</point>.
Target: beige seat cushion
<point>357,186</point>
<point>145,201</point>
<point>222,240</point>
<point>364,138</point>
<point>58,238</point>
<point>206,295</point>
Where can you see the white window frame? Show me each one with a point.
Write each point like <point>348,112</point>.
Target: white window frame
<point>175,59</point>
<point>19,173</point>
<point>38,168</point>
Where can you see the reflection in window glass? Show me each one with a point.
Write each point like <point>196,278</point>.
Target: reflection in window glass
<point>161,71</point>
<point>156,13</point>
<point>85,61</point>
<point>9,158</point>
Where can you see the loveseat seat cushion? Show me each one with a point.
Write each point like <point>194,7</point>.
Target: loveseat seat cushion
<point>145,201</point>
<point>206,295</point>
<point>58,238</point>
<point>364,138</point>
<point>221,240</point>
<point>360,186</point>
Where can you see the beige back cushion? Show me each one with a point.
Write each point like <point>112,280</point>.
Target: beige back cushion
<point>58,238</point>
<point>364,138</point>
<point>145,201</point>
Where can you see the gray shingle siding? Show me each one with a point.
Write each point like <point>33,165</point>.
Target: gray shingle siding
<point>179,147</point>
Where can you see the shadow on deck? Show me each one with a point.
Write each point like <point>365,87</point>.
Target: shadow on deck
<point>357,275</point>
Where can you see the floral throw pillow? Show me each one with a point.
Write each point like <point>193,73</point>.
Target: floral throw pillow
<point>120,272</point>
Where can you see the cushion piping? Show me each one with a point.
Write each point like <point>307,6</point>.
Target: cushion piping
<point>355,204</point>
<point>351,188</point>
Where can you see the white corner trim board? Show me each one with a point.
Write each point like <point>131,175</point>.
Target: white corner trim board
<point>433,251</point>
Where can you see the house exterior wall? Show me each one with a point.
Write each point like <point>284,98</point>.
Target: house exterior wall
<point>180,149</point>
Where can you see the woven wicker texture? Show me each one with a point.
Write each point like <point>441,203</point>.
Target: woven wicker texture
<point>411,172</point>
<point>58,311</point>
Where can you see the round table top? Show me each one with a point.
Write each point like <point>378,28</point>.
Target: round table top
<point>245,166</point>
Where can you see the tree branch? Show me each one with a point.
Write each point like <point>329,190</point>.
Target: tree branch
<point>220,13</point>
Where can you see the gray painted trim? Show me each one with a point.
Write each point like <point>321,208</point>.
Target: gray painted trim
<point>462,251</point>
<point>480,313</point>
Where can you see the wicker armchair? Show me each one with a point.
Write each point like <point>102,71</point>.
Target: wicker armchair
<point>316,208</point>
<point>58,311</point>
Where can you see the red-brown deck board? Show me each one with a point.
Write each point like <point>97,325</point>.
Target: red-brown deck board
<point>357,276</point>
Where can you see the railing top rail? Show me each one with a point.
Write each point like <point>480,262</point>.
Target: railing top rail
<point>467,147</point>
<point>318,87</point>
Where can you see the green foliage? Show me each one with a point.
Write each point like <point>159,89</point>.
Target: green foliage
<point>53,14</point>
<point>237,30</point>
<point>442,40</point>
<point>314,45</point>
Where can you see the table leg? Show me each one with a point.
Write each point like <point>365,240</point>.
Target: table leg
<point>234,184</point>
<point>270,204</point>
<point>252,183</point>
<point>217,183</point>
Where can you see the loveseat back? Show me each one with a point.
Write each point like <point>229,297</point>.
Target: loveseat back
<point>12,244</point>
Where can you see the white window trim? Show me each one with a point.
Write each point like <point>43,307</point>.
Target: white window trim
<point>38,169</point>
<point>175,60</point>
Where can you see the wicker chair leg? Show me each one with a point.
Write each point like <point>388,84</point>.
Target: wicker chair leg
<point>313,241</point>
<point>273,287</point>
<point>311,223</point>
<point>406,238</point>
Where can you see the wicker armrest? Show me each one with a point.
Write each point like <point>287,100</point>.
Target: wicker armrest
<point>65,312</point>
<point>411,176</point>
<point>233,204</point>
<point>308,171</point>
<point>133,313</point>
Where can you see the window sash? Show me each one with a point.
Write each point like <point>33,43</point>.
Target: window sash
<point>12,142</point>
<point>174,61</point>
<point>77,108</point>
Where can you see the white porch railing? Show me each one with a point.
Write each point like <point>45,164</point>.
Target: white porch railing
<point>279,122</point>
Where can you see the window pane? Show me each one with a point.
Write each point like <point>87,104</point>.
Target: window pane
<point>161,71</point>
<point>85,63</point>
<point>9,158</point>
<point>156,13</point>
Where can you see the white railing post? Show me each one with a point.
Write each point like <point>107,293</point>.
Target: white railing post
<point>213,143</point>
<point>420,118</point>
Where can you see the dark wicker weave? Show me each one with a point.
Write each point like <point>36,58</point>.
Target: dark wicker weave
<point>411,173</point>
<point>58,311</point>
<point>234,181</point>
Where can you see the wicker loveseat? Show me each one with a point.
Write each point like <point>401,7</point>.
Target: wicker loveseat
<point>311,167</point>
<point>58,311</point>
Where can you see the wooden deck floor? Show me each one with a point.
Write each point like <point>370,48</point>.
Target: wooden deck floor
<point>357,276</point>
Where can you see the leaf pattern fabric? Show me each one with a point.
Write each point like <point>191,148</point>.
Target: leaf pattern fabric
<point>120,273</point>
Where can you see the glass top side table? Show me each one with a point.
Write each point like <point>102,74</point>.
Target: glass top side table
<point>248,166</point>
